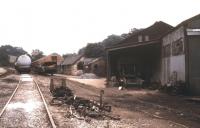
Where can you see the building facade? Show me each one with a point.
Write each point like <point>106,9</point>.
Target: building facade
<point>97,66</point>
<point>71,65</point>
<point>160,54</point>
<point>181,55</point>
<point>138,56</point>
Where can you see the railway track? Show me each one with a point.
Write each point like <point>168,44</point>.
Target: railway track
<point>26,107</point>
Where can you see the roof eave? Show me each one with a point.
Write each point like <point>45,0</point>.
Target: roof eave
<point>134,45</point>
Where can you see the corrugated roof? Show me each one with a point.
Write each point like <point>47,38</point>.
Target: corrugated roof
<point>188,20</point>
<point>71,59</point>
<point>159,28</point>
<point>184,23</point>
<point>129,45</point>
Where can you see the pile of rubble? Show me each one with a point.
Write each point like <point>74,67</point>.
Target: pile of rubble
<point>81,108</point>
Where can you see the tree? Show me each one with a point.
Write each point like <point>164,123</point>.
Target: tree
<point>67,55</point>
<point>93,50</point>
<point>99,49</point>
<point>7,50</point>
<point>112,40</point>
<point>36,54</point>
<point>4,58</point>
<point>81,51</point>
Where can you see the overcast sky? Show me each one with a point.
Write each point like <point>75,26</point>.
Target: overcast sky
<point>64,26</point>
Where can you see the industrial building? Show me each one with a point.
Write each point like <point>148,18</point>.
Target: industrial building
<point>159,54</point>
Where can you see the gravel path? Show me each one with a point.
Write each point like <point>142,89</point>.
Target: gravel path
<point>26,109</point>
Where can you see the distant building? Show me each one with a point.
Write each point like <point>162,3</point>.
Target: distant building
<point>87,65</point>
<point>12,59</point>
<point>96,66</point>
<point>72,64</point>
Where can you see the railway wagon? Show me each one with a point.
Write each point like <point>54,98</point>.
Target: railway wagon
<point>23,64</point>
<point>47,64</point>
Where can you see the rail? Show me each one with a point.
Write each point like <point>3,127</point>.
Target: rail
<point>4,108</point>
<point>46,107</point>
<point>49,116</point>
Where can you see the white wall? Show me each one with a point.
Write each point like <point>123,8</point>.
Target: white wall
<point>173,63</point>
<point>177,63</point>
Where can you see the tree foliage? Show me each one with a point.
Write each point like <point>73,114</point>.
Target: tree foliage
<point>7,50</point>
<point>112,40</point>
<point>36,54</point>
<point>99,49</point>
<point>94,50</point>
<point>67,55</point>
<point>81,51</point>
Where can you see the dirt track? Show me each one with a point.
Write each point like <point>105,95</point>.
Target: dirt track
<point>136,107</point>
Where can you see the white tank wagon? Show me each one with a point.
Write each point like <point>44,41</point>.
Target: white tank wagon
<point>23,64</point>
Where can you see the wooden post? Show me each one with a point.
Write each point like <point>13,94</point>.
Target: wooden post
<point>101,99</point>
<point>64,82</point>
<point>108,68</point>
<point>51,85</point>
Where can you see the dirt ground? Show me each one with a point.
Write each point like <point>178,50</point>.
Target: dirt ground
<point>136,108</point>
<point>98,83</point>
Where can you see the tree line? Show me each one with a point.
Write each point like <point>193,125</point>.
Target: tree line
<point>8,50</point>
<point>94,50</point>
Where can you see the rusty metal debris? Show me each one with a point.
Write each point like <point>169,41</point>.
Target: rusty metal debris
<point>80,108</point>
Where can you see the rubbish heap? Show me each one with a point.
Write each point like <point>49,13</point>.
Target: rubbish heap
<point>81,108</point>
